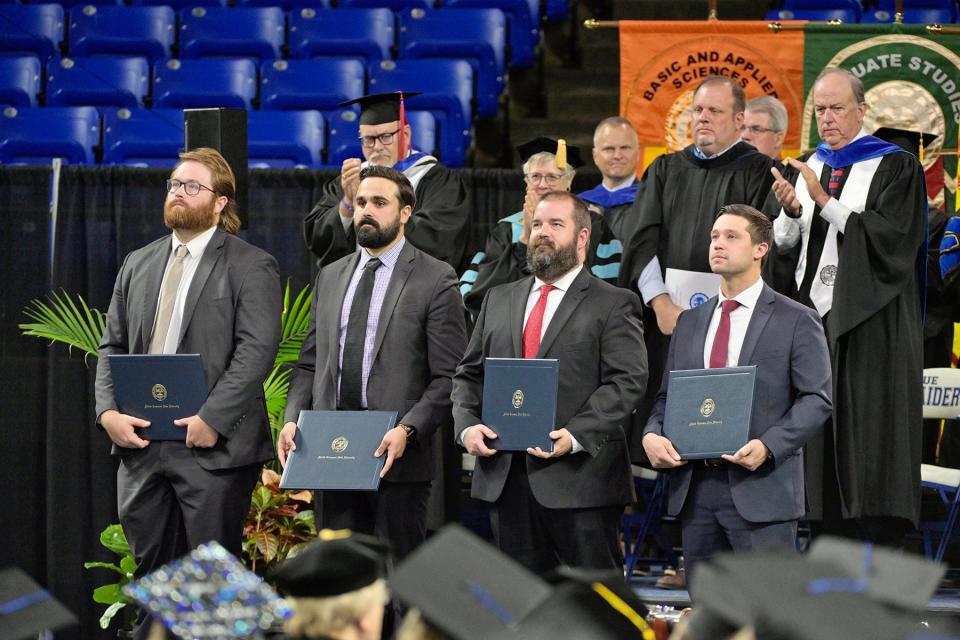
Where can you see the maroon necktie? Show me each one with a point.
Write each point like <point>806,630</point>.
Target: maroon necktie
<point>531,333</point>
<point>721,341</point>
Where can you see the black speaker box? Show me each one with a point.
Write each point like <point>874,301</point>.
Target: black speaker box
<point>226,131</point>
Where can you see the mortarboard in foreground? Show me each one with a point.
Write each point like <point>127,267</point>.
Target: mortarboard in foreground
<point>338,562</point>
<point>26,609</point>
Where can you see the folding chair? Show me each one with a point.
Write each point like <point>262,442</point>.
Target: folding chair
<point>941,400</point>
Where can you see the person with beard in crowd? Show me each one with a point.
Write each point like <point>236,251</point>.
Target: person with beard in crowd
<point>616,152</point>
<point>561,506</point>
<point>386,334</point>
<point>440,222</point>
<point>200,290</point>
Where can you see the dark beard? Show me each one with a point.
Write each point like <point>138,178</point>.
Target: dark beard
<point>550,265</point>
<point>189,218</point>
<point>376,237</point>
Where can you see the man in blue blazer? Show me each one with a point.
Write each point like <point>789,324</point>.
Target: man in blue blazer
<point>754,497</point>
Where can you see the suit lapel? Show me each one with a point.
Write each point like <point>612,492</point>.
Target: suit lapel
<point>154,267</point>
<point>401,271</point>
<point>571,299</point>
<point>518,305</point>
<point>704,315</point>
<point>342,284</point>
<point>211,255</point>
<point>757,322</point>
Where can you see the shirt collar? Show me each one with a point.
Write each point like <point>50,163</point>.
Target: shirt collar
<point>388,258</point>
<point>623,185</point>
<point>564,282</point>
<point>196,246</point>
<point>700,154</point>
<point>748,297</point>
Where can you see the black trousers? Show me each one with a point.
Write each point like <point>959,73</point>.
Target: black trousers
<point>169,505</point>
<point>541,539</point>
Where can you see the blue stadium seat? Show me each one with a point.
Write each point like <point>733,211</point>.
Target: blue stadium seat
<point>393,5</point>
<point>67,4</point>
<point>177,5</point>
<point>945,5</point>
<point>343,132</point>
<point>366,34</point>
<point>524,24</point>
<point>130,31</point>
<point>846,10</point>
<point>217,31</point>
<point>293,84</point>
<point>285,139</point>
<point>36,135</point>
<point>142,137</point>
<point>120,82</point>
<point>201,83</point>
<point>286,5</point>
<point>20,80</point>
<point>33,28</point>
<point>447,89</point>
<point>557,10</point>
<point>475,35</point>
<point>910,16</point>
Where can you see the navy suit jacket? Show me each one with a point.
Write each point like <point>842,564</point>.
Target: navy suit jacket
<point>785,341</point>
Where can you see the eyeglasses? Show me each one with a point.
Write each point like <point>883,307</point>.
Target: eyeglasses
<point>551,179</point>
<point>756,129</point>
<point>384,138</point>
<point>191,188</point>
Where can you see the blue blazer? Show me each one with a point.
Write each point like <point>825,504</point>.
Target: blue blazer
<point>785,341</point>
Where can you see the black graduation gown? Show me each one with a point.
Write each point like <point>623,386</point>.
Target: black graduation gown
<point>439,226</point>
<point>504,258</point>
<point>676,205</point>
<point>875,335</point>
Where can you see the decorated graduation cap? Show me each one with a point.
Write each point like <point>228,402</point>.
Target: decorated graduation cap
<point>913,141</point>
<point>337,562</point>
<point>381,108</point>
<point>565,153</point>
<point>209,594</point>
<point>465,587</point>
<point>26,609</point>
<point>839,589</point>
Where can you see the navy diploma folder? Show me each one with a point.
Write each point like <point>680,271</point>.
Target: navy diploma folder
<point>708,411</point>
<point>335,450</point>
<point>160,388</point>
<point>520,402</point>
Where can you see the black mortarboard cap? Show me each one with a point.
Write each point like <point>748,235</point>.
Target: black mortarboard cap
<point>569,154</point>
<point>906,139</point>
<point>26,609</point>
<point>379,108</point>
<point>465,587</point>
<point>209,594</point>
<point>338,562</point>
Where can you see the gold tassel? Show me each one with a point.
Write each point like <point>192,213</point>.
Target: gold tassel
<point>561,154</point>
<point>921,147</point>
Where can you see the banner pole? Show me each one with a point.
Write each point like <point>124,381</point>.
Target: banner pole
<point>711,9</point>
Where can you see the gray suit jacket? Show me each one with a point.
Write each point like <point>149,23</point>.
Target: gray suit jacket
<point>420,338</point>
<point>785,341</point>
<point>597,335</point>
<point>231,318</point>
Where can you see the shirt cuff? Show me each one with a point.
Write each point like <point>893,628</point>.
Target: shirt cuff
<point>836,213</point>
<point>651,284</point>
<point>461,435</point>
<point>786,230</point>
<point>577,447</point>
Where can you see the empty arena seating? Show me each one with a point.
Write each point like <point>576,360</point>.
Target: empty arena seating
<point>120,82</point>
<point>19,80</point>
<point>31,28</point>
<point>142,137</point>
<point>186,83</point>
<point>845,10</point>
<point>366,34</point>
<point>285,139</point>
<point>35,135</point>
<point>256,32</point>
<point>293,84</point>
<point>131,31</point>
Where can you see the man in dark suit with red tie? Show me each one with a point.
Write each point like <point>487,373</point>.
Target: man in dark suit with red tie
<point>754,497</point>
<point>562,506</point>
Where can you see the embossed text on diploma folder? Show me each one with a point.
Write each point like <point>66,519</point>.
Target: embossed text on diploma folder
<point>160,388</point>
<point>520,402</point>
<point>335,450</point>
<point>708,411</point>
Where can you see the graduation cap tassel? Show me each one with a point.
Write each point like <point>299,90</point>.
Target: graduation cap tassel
<point>403,128</point>
<point>561,154</point>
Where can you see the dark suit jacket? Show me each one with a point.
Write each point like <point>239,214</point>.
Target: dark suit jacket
<point>231,318</point>
<point>785,341</point>
<point>597,335</point>
<point>420,338</point>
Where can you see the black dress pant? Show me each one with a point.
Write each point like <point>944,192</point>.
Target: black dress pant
<point>541,539</point>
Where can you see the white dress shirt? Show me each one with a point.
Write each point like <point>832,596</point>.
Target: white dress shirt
<point>553,300</point>
<point>739,320</point>
<point>195,249</point>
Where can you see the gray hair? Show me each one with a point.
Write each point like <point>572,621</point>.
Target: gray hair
<point>856,84</point>
<point>614,121</point>
<point>545,156</point>
<point>773,108</point>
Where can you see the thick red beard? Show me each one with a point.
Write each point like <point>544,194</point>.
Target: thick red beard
<point>178,214</point>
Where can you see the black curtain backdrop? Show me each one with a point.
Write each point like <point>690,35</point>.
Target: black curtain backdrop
<point>58,478</point>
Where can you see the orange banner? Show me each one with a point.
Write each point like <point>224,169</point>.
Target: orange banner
<point>661,63</point>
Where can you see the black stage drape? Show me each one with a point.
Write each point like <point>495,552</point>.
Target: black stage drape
<point>58,478</point>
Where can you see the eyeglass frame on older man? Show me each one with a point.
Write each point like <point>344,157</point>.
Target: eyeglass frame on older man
<point>756,129</point>
<point>173,185</point>
<point>551,179</point>
<point>369,142</point>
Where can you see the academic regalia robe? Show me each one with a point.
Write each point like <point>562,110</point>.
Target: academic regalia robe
<point>439,226</point>
<point>875,334</point>
<point>615,206</point>
<point>673,214</point>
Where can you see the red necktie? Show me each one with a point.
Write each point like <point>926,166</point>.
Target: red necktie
<point>531,333</point>
<point>721,341</point>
